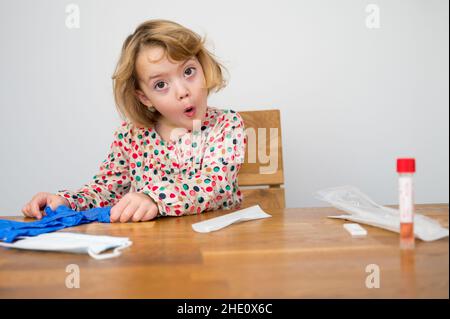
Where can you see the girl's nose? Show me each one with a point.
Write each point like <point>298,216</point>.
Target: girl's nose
<point>182,91</point>
<point>184,94</point>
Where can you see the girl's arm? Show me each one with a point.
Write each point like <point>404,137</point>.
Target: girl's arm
<point>111,182</point>
<point>215,185</point>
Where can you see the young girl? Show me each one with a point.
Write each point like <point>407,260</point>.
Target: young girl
<point>172,155</point>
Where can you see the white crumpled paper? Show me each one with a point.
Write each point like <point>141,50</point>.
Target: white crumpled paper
<point>253,212</point>
<point>365,211</point>
<point>73,243</point>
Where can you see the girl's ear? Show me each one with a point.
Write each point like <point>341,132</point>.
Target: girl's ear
<point>143,98</point>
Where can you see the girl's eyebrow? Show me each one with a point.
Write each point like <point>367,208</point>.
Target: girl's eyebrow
<point>160,74</point>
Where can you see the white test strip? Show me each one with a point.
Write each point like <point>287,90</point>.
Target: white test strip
<point>253,212</point>
<point>355,230</point>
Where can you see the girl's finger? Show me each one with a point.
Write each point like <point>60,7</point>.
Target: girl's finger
<point>29,209</point>
<point>117,209</point>
<point>128,212</point>
<point>137,216</point>
<point>149,215</point>
<point>25,210</point>
<point>35,211</point>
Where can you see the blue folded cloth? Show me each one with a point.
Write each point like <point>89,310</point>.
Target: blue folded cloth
<point>60,218</point>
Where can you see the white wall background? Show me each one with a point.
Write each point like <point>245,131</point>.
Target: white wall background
<point>352,99</point>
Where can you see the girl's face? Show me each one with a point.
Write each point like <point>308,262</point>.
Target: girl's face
<point>171,88</point>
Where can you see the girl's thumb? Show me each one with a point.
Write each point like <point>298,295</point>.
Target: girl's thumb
<point>50,204</point>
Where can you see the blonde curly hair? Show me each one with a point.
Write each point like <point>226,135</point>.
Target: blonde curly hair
<point>179,44</point>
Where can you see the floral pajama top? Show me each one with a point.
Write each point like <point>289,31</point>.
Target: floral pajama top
<point>196,172</point>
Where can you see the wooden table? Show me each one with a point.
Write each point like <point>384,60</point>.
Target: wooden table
<point>298,253</point>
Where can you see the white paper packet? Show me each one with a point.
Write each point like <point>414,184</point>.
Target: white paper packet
<point>250,213</point>
<point>365,211</point>
<point>73,243</point>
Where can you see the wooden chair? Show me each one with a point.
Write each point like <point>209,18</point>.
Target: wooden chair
<point>259,179</point>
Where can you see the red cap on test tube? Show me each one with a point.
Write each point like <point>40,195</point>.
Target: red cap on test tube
<point>406,165</point>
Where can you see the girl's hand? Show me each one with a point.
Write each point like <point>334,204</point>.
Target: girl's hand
<point>136,207</point>
<point>35,207</point>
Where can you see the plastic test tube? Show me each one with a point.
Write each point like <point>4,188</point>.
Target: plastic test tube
<point>406,167</point>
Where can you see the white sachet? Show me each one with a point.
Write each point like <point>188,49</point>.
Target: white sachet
<point>250,213</point>
<point>365,211</point>
<point>73,243</point>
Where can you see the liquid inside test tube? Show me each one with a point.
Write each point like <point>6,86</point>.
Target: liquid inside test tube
<point>407,236</point>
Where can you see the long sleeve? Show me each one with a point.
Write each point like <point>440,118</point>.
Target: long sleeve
<point>112,181</point>
<point>214,185</point>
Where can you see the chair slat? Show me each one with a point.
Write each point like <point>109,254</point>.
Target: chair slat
<point>258,169</point>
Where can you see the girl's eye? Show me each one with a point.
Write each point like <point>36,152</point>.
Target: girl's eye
<point>189,69</point>
<point>160,87</point>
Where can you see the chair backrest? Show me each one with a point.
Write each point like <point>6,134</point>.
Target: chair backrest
<point>261,175</point>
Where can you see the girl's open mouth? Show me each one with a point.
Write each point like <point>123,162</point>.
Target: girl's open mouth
<point>190,112</point>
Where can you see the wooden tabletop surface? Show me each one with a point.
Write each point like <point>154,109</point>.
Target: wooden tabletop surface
<point>298,253</point>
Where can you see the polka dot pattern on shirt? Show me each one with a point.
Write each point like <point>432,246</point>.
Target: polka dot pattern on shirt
<point>195,173</point>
